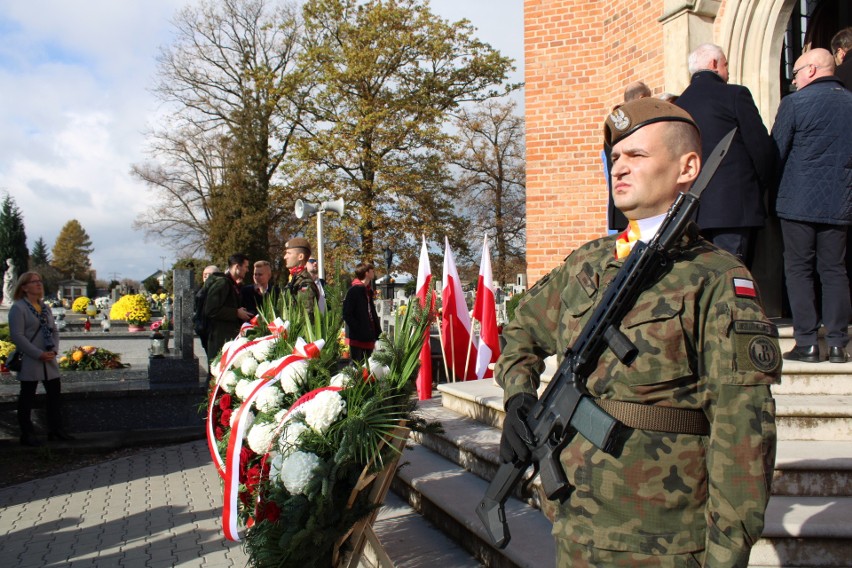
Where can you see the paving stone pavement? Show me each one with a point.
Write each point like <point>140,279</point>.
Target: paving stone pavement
<point>161,508</point>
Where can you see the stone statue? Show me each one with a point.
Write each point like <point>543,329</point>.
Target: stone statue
<point>9,280</point>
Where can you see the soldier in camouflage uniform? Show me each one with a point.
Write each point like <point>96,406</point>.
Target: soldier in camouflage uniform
<point>301,284</point>
<point>705,348</point>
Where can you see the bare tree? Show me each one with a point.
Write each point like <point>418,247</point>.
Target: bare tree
<point>228,76</point>
<point>491,157</point>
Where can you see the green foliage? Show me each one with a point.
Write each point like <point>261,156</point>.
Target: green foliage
<point>13,237</point>
<point>89,358</point>
<point>71,251</point>
<point>40,256</point>
<point>512,305</point>
<point>151,285</point>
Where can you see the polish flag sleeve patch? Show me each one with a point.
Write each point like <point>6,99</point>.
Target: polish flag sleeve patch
<point>744,288</point>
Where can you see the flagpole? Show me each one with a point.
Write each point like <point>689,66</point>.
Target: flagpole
<point>452,349</point>
<point>443,353</point>
<point>469,345</point>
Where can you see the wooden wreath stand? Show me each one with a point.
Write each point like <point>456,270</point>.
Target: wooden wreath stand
<point>362,534</point>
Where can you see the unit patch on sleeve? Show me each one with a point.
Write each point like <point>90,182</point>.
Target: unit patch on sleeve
<point>763,354</point>
<point>744,288</point>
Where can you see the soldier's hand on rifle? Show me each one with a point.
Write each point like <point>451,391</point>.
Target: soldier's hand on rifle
<point>517,436</point>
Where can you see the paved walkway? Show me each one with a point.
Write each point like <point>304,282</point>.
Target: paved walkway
<point>161,508</point>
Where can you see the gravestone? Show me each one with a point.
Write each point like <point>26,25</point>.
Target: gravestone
<point>181,365</point>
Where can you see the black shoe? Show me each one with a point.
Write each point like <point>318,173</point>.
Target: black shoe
<point>60,435</point>
<point>30,440</point>
<point>809,354</point>
<point>837,355</point>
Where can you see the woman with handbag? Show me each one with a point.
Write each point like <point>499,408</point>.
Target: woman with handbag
<point>34,333</point>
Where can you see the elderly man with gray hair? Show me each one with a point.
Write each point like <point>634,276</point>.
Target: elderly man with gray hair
<point>732,205</point>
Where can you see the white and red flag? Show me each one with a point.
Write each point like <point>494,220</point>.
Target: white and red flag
<point>459,353</point>
<point>485,312</point>
<point>424,284</point>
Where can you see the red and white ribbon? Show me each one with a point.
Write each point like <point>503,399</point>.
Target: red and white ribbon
<point>228,356</point>
<point>235,443</point>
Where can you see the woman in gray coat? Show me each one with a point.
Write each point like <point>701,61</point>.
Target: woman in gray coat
<point>34,333</point>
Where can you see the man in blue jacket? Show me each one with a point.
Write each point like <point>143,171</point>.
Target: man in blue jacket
<point>811,133</point>
<point>732,205</point>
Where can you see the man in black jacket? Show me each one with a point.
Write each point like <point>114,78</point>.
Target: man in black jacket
<point>359,314</point>
<point>732,205</point>
<point>814,203</point>
<point>841,47</point>
<point>254,296</point>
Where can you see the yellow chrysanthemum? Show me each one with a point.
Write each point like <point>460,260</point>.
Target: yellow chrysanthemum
<point>80,304</point>
<point>77,356</point>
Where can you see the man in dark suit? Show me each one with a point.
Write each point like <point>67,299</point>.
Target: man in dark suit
<point>732,206</point>
<point>254,296</point>
<point>841,47</point>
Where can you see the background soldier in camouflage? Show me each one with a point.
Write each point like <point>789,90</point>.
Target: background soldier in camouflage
<point>705,345</point>
<point>301,285</point>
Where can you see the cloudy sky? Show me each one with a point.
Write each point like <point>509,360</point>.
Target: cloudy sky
<point>75,104</point>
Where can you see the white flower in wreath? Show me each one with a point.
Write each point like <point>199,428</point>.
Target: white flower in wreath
<point>275,466</point>
<point>289,439</point>
<point>279,416</point>
<point>297,470</point>
<point>291,375</point>
<point>244,388</point>
<point>260,437</point>
<point>377,369</point>
<point>341,380</point>
<point>269,400</point>
<point>262,367</point>
<point>229,381</point>
<point>262,350</point>
<point>248,366</point>
<point>249,419</point>
<point>323,410</point>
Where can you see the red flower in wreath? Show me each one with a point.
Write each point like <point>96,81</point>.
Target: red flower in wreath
<point>225,418</point>
<point>225,402</point>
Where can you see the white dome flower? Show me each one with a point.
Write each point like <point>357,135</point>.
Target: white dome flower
<point>275,467</point>
<point>261,351</point>
<point>323,410</point>
<point>229,381</point>
<point>249,418</point>
<point>377,369</point>
<point>291,375</point>
<point>279,416</point>
<point>262,367</point>
<point>269,400</point>
<point>341,380</point>
<point>244,388</point>
<point>297,470</point>
<point>260,437</point>
<point>289,439</point>
<point>248,366</point>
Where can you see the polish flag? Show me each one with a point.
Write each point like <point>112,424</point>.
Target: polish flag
<point>459,353</point>
<point>485,311</point>
<point>424,284</point>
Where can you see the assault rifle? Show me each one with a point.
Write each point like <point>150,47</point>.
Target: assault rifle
<point>565,407</point>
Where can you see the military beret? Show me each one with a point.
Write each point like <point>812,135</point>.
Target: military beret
<point>629,117</point>
<point>298,242</point>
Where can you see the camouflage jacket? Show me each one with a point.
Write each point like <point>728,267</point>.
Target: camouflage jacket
<point>305,291</point>
<point>704,344</point>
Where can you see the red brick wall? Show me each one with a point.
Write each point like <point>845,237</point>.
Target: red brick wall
<point>579,55</point>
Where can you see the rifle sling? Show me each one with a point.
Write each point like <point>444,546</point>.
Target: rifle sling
<point>656,418</point>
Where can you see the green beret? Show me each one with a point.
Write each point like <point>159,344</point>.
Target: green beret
<point>298,242</point>
<point>629,117</point>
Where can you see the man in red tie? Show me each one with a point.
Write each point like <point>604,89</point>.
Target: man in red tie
<point>667,495</point>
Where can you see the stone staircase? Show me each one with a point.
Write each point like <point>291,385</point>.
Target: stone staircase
<point>808,521</point>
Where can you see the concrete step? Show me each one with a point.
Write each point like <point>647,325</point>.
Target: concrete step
<point>815,378</point>
<point>810,531</point>
<point>447,496</point>
<point>812,417</point>
<point>802,468</point>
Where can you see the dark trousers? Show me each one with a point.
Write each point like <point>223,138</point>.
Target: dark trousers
<point>53,408</point>
<point>358,354</point>
<point>812,249</point>
<point>735,240</point>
